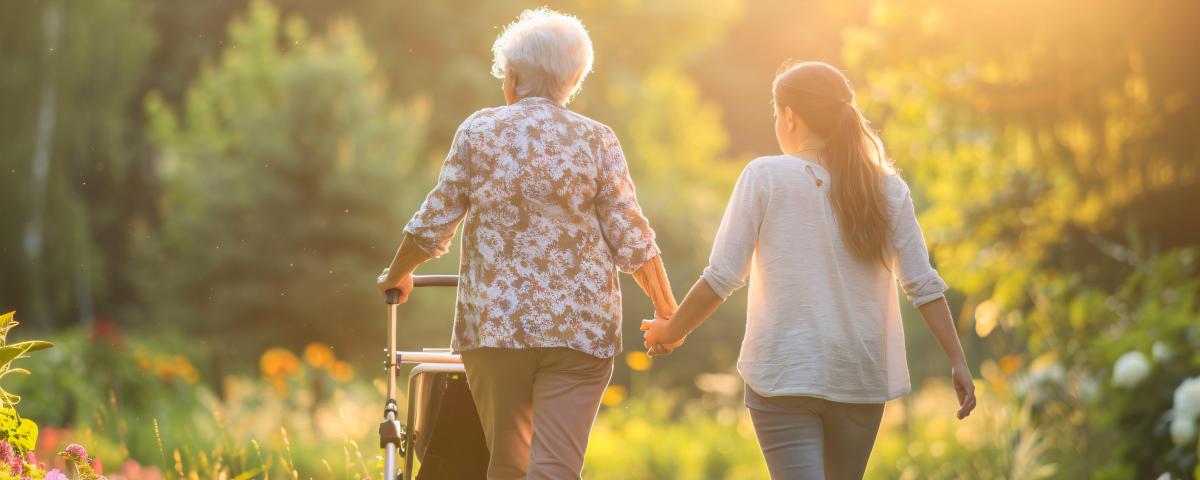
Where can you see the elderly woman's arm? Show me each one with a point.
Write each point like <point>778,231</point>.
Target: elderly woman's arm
<point>429,232</point>
<point>652,277</point>
<point>398,275</point>
<point>628,233</point>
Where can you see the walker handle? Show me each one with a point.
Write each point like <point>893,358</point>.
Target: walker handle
<point>393,294</point>
<point>434,281</point>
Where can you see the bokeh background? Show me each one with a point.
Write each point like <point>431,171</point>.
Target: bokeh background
<point>196,197</point>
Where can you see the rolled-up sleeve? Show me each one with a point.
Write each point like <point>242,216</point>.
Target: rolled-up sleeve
<point>434,223</point>
<point>627,232</point>
<point>921,283</point>
<point>733,248</point>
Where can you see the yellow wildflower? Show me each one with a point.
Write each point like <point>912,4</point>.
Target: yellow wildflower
<point>614,395</point>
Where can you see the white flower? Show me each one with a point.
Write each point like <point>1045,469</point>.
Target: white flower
<point>1088,387</point>
<point>1187,399</point>
<point>1183,431</point>
<point>1041,380</point>
<point>1131,369</point>
<point>1161,351</point>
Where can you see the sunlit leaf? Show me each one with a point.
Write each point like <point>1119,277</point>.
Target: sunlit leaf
<point>34,345</point>
<point>10,352</point>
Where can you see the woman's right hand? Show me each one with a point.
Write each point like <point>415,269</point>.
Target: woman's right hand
<point>404,284</point>
<point>964,387</point>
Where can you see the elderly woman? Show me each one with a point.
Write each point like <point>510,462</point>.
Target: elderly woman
<point>549,215</point>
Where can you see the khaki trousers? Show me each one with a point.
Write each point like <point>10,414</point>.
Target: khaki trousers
<point>537,407</point>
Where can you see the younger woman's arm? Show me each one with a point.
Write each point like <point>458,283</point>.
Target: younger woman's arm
<point>728,265</point>
<point>941,323</point>
<point>699,304</point>
<point>924,287</point>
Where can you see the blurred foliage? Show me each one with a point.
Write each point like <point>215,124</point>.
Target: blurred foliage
<point>300,413</point>
<point>1051,145</point>
<point>72,74</point>
<point>647,438</point>
<point>1038,134</point>
<point>228,177</point>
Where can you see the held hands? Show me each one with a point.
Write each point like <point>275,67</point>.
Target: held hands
<point>964,387</point>
<point>658,337</point>
<point>385,283</point>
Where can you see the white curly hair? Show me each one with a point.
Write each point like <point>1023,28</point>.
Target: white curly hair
<point>550,52</point>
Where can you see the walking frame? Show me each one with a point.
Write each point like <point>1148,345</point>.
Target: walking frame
<point>438,403</point>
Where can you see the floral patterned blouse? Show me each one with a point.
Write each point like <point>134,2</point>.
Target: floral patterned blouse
<point>549,211</point>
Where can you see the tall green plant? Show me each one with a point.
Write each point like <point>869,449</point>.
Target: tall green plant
<point>11,352</point>
<point>19,432</point>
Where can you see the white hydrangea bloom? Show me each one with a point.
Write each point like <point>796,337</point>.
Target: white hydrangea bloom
<point>1187,399</point>
<point>1183,430</point>
<point>1041,379</point>
<point>1131,369</point>
<point>1088,387</point>
<point>1161,351</point>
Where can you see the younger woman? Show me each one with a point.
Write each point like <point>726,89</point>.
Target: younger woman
<point>823,231</point>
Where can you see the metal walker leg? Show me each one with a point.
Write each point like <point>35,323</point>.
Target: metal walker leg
<point>391,434</point>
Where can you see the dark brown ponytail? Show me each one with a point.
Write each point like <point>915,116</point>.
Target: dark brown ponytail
<point>852,153</point>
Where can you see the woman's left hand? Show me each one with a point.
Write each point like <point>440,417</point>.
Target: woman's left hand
<point>658,338</point>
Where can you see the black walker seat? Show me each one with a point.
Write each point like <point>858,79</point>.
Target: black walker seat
<point>444,433</point>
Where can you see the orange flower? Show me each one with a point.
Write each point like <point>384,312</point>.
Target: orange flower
<point>280,386</point>
<point>278,362</point>
<point>164,371</point>
<point>1010,363</point>
<point>184,369</point>
<point>341,371</point>
<point>175,366</point>
<point>318,355</point>
<point>142,361</point>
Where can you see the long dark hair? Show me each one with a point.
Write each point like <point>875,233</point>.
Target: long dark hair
<point>824,100</point>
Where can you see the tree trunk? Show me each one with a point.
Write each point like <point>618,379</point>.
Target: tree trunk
<point>43,147</point>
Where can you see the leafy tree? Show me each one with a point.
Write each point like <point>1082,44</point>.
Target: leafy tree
<point>282,184</point>
<point>1042,134</point>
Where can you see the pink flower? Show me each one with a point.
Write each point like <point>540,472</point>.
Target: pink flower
<point>10,457</point>
<point>132,469</point>
<point>55,475</point>
<point>77,450</point>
